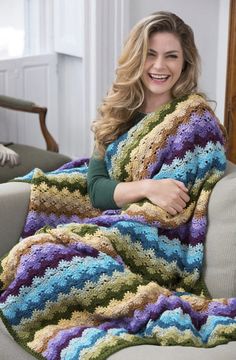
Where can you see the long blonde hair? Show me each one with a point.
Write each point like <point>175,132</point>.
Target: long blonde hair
<point>126,94</point>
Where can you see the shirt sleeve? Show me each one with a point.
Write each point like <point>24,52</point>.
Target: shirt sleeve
<point>100,187</point>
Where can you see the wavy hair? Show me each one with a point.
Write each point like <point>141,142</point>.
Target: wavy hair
<point>126,95</point>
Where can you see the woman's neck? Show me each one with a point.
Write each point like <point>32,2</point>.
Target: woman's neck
<point>151,104</point>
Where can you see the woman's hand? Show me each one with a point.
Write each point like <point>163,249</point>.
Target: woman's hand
<point>171,195</point>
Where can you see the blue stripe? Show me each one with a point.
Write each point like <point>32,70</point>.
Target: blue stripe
<point>56,281</point>
<point>170,250</point>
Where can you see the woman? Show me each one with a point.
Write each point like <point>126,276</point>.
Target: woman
<point>131,274</point>
<point>162,65</point>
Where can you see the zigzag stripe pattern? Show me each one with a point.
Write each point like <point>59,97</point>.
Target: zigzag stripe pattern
<point>82,283</point>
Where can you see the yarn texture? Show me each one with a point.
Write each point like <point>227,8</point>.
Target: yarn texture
<point>83,283</point>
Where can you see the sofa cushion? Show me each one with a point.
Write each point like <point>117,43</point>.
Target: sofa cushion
<point>220,249</point>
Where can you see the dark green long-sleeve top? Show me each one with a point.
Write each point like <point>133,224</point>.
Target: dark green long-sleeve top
<point>100,186</point>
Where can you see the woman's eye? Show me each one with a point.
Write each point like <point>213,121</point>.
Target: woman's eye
<point>150,54</point>
<point>172,56</point>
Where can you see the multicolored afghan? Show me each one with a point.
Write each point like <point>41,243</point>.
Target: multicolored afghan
<point>89,282</point>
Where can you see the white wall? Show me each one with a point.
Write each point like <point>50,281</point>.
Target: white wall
<point>208,20</point>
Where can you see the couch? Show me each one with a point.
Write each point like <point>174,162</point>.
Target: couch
<point>219,266</point>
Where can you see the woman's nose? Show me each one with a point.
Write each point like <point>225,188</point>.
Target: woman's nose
<point>159,62</point>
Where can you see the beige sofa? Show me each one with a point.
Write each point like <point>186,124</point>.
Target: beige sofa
<point>219,266</point>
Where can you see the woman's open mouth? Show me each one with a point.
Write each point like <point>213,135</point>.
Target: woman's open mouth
<point>159,78</point>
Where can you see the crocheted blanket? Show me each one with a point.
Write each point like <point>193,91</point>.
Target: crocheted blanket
<point>84,283</point>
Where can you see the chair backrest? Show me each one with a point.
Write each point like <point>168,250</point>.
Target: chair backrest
<point>28,106</point>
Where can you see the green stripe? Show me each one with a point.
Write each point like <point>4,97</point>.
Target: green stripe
<point>78,184</point>
<point>156,119</point>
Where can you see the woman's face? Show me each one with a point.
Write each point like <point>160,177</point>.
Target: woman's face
<point>163,66</point>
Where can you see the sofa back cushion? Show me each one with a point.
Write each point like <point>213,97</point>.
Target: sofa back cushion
<point>220,249</point>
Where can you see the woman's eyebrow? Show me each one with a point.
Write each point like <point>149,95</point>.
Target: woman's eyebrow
<point>167,52</point>
<point>172,51</point>
<point>152,51</point>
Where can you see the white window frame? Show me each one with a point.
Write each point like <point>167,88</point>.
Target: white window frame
<point>69,27</point>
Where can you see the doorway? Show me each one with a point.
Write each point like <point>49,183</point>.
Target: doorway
<point>230,97</point>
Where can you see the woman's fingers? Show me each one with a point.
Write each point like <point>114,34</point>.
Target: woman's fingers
<point>171,211</point>
<point>181,185</point>
<point>184,197</point>
<point>182,191</point>
<point>171,195</point>
<point>180,204</point>
<point>178,196</point>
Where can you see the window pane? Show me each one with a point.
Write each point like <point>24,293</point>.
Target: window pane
<point>12,31</point>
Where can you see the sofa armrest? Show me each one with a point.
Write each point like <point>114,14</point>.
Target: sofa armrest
<point>14,201</point>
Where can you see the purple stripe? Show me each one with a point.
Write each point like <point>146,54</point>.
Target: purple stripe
<point>41,258</point>
<point>153,312</point>
<point>219,309</point>
<point>191,233</point>
<point>61,341</point>
<point>196,131</point>
<point>36,221</point>
<point>74,164</point>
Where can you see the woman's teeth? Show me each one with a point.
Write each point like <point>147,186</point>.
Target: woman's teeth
<point>159,77</point>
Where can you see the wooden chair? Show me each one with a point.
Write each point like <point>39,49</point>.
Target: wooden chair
<point>30,156</point>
